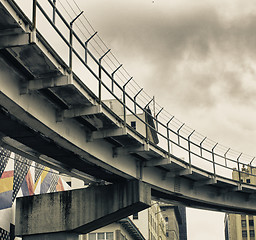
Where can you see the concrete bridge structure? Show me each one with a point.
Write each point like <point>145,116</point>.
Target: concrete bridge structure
<point>50,115</point>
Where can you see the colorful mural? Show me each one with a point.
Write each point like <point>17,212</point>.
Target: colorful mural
<point>22,177</point>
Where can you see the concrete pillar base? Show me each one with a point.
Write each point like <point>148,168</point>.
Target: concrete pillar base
<point>52,236</point>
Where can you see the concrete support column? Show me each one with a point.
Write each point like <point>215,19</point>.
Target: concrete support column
<point>64,215</point>
<point>52,236</point>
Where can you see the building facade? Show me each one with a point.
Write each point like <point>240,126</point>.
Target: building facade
<point>159,222</point>
<point>175,218</point>
<point>148,224</point>
<point>240,227</point>
<point>237,226</point>
<point>120,230</point>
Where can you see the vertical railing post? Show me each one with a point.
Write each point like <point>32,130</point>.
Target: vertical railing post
<point>178,131</point>
<point>213,160</point>
<point>168,136</point>
<point>154,106</point>
<point>225,157</point>
<point>251,163</point>
<point>124,103</point>
<point>112,78</point>
<point>238,167</point>
<point>100,78</point>
<point>189,149</point>
<point>71,40</point>
<point>34,15</point>
<point>86,47</point>
<point>201,148</point>
<point>71,46</point>
<point>54,11</point>
<point>134,99</point>
<point>157,116</point>
<point>149,103</point>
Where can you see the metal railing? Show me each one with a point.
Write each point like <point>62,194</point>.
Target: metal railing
<point>108,79</point>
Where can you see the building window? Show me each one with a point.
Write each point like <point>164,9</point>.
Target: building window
<point>248,180</point>
<point>92,236</point>
<point>166,219</point>
<point>251,222</point>
<point>135,216</point>
<point>243,223</point>
<point>244,233</point>
<point>167,234</point>
<point>109,236</point>
<point>252,234</point>
<point>133,124</point>
<point>101,236</point>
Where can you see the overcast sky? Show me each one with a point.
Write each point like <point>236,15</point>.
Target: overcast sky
<point>198,59</point>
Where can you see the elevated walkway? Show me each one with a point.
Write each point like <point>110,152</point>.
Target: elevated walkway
<point>49,115</point>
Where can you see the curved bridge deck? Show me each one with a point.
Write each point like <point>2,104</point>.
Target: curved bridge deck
<point>48,114</point>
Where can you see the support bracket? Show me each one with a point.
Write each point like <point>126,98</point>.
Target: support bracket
<point>122,131</point>
<point>210,181</point>
<point>42,83</point>
<point>158,162</point>
<point>130,150</point>
<point>183,172</point>
<point>237,188</point>
<point>14,39</point>
<point>78,112</point>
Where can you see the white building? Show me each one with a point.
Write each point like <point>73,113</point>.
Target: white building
<point>124,229</point>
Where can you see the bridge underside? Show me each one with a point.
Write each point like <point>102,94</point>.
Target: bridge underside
<point>50,116</point>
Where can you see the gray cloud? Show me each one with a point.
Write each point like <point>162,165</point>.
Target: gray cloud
<point>168,40</point>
